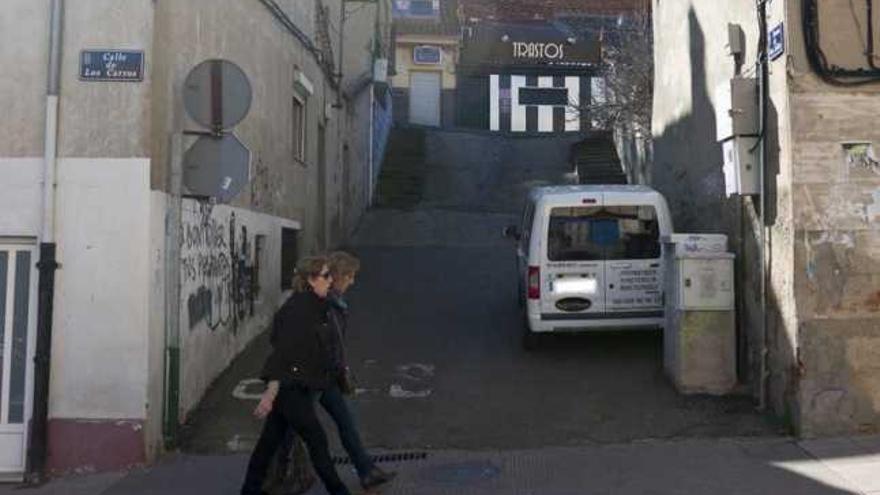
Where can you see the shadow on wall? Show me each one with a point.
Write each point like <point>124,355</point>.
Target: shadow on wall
<point>687,169</point>
<point>687,158</point>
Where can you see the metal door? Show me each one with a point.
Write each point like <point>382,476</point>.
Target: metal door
<point>575,259</point>
<point>424,98</point>
<point>17,332</point>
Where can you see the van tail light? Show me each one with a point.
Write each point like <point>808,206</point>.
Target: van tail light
<point>534,282</point>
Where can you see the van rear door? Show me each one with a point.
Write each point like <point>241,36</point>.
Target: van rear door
<point>633,271</point>
<point>575,270</point>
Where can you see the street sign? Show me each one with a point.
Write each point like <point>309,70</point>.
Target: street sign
<point>776,42</point>
<point>111,65</point>
<point>217,94</point>
<point>216,167</point>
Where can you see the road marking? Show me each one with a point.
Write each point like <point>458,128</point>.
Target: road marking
<point>398,392</point>
<point>416,371</point>
<point>241,390</point>
<point>416,378</point>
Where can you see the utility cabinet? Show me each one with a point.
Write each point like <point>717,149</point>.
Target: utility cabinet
<point>737,128</point>
<point>736,108</point>
<point>741,165</point>
<point>699,338</point>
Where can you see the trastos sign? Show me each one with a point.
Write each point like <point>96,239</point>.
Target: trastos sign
<point>549,51</point>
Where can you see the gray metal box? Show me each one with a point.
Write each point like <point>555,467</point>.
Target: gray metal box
<point>736,108</point>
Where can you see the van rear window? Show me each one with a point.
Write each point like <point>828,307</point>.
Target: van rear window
<point>585,233</point>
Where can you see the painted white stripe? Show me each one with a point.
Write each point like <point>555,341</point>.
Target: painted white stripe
<point>517,111</point>
<point>598,94</point>
<point>572,113</point>
<point>545,112</point>
<point>494,111</point>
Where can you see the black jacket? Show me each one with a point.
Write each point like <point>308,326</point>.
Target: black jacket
<point>300,339</point>
<point>339,321</point>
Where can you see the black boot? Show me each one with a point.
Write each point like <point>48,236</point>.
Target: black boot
<point>377,477</point>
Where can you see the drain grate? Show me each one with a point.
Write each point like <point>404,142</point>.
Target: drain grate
<point>390,457</point>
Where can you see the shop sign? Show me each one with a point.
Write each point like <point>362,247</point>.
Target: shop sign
<point>548,51</point>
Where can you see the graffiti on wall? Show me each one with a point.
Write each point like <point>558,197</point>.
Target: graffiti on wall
<point>220,266</point>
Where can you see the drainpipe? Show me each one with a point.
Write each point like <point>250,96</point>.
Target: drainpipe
<point>763,104</point>
<point>372,140</point>
<point>38,438</point>
<point>173,214</point>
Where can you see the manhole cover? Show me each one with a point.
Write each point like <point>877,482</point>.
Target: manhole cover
<point>462,473</point>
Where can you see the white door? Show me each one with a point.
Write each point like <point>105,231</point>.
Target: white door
<point>18,301</point>
<point>575,261</point>
<point>424,98</point>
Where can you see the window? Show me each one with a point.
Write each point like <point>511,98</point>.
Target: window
<point>543,96</point>
<point>289,255</point>
<point>422,8</point>
<point>526,233</point>
<point>416,8</point>
<point>603,232</point>
<point>259,252</point>
<point>299,130</point>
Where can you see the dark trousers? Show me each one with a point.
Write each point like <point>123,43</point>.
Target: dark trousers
<point>294,408</point>
<point>336,406</point>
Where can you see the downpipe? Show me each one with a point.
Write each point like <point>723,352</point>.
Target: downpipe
<point>763,104</point>
<point>37,449</point>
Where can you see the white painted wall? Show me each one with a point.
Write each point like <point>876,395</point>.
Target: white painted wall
<point>211,339</point>
<point>156,336</point>
<point>20,196</point>
<point>99,345</point>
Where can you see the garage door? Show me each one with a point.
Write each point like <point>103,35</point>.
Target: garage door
<point>424,98</point>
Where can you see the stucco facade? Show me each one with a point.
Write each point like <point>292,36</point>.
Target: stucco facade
<point>822,239</point>
<point>109,345</point>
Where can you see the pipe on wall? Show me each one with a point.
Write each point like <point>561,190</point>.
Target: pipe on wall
<point>37,452</point>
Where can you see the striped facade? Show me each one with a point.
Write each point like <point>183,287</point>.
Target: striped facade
<point>563,95</point>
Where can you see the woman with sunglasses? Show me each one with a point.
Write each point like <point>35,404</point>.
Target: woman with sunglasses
<point>297,371</point>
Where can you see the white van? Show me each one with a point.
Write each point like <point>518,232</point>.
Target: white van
<point>589,258</point>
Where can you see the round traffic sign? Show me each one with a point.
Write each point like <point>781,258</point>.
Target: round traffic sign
<point>217,94</point>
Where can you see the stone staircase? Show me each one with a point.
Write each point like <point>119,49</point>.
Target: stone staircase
<point>402,179</point>
<point>596,161</point>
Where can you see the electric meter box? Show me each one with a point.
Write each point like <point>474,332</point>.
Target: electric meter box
<point>699,333</point>
<point>741,170</point>
<point>705,283</point>
<point>736,108</point>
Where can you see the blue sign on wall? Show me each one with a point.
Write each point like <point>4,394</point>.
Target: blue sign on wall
<point>111,65</point>
<point>427,55</point>
<point>776,42</point>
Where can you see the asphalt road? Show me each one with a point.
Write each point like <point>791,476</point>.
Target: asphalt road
<point>435,341</point>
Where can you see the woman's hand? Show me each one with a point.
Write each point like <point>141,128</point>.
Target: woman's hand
<point>267,400</point>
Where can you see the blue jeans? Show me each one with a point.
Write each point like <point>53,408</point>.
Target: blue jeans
<point>336,406</point>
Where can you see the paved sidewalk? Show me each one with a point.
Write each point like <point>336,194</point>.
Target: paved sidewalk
<point>717,467</point>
